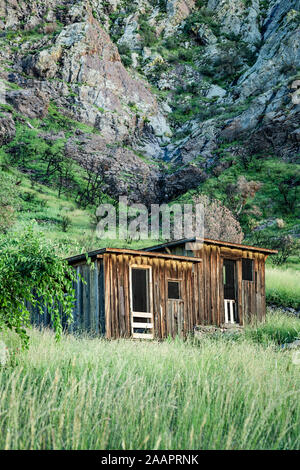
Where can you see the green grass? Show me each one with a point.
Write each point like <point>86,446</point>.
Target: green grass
<point>45,207</point>
<point>94,394</point>
<point>277,329</point>
<point>283,287</point>
<point>41,206</point>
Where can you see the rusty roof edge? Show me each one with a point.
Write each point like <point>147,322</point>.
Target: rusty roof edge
<point>95,253</point>
<point>100,252</point>
<point>241,246</point>
<point>193,259</point>
<point>212,242</point>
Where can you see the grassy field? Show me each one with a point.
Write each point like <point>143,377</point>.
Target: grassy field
<point>93,394</point>
<point>283,287</point>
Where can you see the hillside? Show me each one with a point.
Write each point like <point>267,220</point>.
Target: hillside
<point>156,99</point>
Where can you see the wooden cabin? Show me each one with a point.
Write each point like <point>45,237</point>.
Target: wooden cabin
<point>231,279</point>
<point>168,289</point>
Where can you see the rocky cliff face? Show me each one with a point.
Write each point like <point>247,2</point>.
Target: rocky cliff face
<point>161,85</point>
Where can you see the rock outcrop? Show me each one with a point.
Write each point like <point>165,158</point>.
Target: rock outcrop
<point>162,84</point>
<point>7,129</point>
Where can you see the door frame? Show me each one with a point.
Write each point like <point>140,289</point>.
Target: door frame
<point>236,260</point>
<point>146,315</point>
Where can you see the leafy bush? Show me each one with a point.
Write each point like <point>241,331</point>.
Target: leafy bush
<point>65,223</point>
<point>202,16</point>
<point>286,245</point>
<point>30,271</point>
<point>125,54</point>
<point>147,31</point>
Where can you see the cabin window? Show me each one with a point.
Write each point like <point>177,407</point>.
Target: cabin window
<point>140,289</point>
<point>174,290</point>
<point>247,269</point>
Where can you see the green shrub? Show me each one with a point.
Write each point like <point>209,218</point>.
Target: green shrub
<point>202,16</point>
<point>30,270</point>
<point>146,31</point>
<point>65,223</point>
<point>125,54</point>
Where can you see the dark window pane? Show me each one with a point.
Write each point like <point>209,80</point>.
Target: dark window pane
<point>229,279</point>
<point>140,290</point>
<point>173,290</point>
<point>247,269</point>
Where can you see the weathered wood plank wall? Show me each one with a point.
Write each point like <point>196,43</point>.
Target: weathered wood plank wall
<point>170,317</point>
<point>251,299</point>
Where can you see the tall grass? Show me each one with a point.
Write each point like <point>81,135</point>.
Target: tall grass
<point>94,394</point>
<point>283,287</point>
<point>277,329</point>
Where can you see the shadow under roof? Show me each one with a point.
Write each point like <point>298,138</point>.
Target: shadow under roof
<point>208,241</point>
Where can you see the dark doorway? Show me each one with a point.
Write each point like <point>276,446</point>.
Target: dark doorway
<point>230,291</point>
<point>140,290</point>
<point>229,275</point>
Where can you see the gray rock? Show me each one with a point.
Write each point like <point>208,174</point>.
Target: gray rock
<point>216,91</point>
<point>293,345</point>
<point>7,128</point>
<point>31,102</point>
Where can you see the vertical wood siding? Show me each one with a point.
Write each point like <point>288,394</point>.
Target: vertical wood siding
<point>170,317</point>
<point>251,298</point>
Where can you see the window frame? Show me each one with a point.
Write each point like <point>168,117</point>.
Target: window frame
<point>179,281</point>
<point>252,269</point>
<point>149,287</point>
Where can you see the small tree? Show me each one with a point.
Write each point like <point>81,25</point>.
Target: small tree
<point>91,192</point>
<point>285,244</point>
<point>31,271</point>
<point>239,193</point>
<point>66,222</point>
<point>219,222</point>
